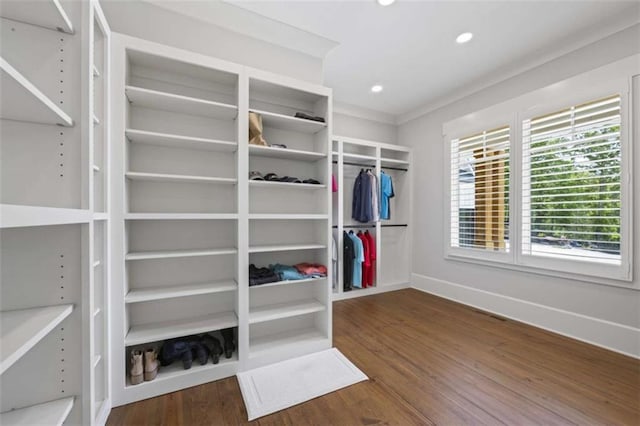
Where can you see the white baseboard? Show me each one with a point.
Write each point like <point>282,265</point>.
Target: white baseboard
<point>606,334</point>
<point>369,291</point>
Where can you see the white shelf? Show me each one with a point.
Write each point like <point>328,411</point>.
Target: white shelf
<point>288,282</point>
<point>392,162</point>
<point>178,141</point>
<point>177,371</point>
<point>23,101</point>
<point>23,329</point>
<point>285,153</point>
<point>139,334</point>
<point>166,254</point>
<point>100,216</point>
<point>260,346</point>
<point>285,247</point>
<point>285,185</point>
<point>52,413</point>
<point>43,13</point>
<point>163,177</point>
<point>359,157</point>
<point>277,216</point>
<point>159,293</point>
<point>180,216</point>
<point>181,104</point>
<point>285,122</point>
<point>16,216</point>
<point>284,310</point>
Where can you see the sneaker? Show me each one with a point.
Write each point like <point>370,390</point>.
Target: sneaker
<point>137,370</point>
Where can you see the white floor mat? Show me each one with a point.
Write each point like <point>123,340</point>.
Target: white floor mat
<point>282,385</point>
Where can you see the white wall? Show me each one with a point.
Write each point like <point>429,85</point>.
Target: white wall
<point>149,22</point>
<point>615,310</point>
<point>362,128</point>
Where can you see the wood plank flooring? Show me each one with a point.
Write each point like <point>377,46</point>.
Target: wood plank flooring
<point>433,361</point>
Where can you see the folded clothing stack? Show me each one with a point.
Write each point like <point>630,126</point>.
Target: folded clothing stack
<point>272,177</point>
<point>279,272</point>
<point>259,276</point>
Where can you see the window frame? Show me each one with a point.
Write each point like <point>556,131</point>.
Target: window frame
<point>613,79</point>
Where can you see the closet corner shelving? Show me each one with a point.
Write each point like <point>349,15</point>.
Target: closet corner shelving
<point>49,247</point>
<point>191,222</point>
<point>392,269</point>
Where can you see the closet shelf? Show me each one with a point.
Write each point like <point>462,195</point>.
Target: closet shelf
<point>178,141</point>
<point>348,156</point>
<point>176,371</point>
<point>288,282</point>
<point>46,14</point>
<point>285,153</point>
<point>147,333</point>
<point>23,329</point>
<point>284,310</point>
<point>181,216</point>
<point>166,254</point>
<point>159,293</point>
<point>154,99</point>
<point>100,216</point>
<point>23,101</point>
<point>163,177</point>
<point>285,247</point>
<point>277,216</point>
<point>48,413</point>
<point>285,122</point>
<point>16,216</point>
<point>286,185</point>
<point>280,342</point>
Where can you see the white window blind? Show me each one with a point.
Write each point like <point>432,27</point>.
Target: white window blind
<point>571,183</point>
<point>480,191</point>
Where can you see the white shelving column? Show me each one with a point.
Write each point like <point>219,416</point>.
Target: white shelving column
<point>392,237</point>
<point>45,212</point>
<point>176,209</point>
<point>289,222</point>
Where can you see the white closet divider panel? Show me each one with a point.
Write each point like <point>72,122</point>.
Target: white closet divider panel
<point>28,102</point>
<point>16,216</point>
<point>45,13</point>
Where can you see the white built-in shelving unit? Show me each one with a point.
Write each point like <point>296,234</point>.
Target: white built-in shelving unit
<point>392,267</point>
<point>188,222</point>
<point>49,204</point>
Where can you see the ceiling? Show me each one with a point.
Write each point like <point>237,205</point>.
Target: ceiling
<point>409,47</point>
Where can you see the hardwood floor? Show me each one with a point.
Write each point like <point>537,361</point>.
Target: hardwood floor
<point>433,361</point>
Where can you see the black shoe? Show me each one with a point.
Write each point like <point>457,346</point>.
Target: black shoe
<point>214,346</point>
<point>173,350</point>
<point>187,359</point>
<point>199,352</point>
<point>229,343</point>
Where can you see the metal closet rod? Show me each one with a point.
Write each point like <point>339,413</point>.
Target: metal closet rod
<point>369,166</point>
<point>373,226</point>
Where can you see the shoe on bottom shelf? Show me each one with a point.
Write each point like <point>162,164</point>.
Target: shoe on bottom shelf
<point>150,364</point>
<point>214,346</point>
<point>199,352</point>
<point>137,370</point>
<point>229,342</point>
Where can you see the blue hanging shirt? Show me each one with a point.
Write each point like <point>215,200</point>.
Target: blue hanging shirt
<point>386,192</point>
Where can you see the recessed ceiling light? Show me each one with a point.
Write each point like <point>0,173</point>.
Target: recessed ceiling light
<point>463,38</point>
<point>385,2</point>
<point>376,88</point>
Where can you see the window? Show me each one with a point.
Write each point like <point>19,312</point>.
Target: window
<point>542,183</point>
<point>480,191</point>
<point>571,183</point>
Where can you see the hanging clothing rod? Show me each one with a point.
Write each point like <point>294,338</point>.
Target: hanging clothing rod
<point>373,226</point>
<point>371,166</point>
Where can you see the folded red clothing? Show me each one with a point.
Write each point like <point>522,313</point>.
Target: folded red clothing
<point>311,268</point>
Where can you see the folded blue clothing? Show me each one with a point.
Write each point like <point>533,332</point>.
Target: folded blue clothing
<point>286,272</point>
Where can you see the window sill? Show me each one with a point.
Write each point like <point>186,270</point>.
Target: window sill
<point>620,283</point>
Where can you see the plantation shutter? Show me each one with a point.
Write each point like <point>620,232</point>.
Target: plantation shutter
<point>571,183</point>
<point>480,191</point>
